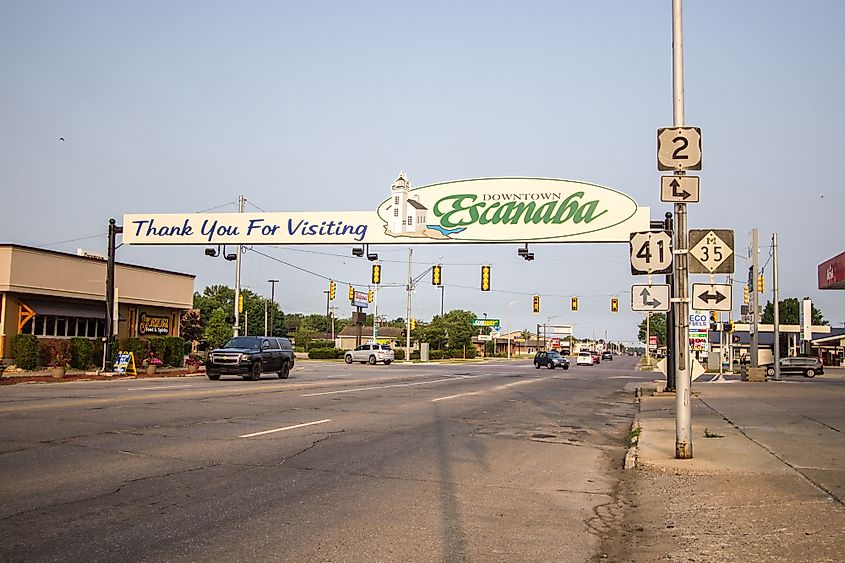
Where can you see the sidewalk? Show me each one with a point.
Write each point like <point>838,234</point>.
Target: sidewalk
<point>766,483</point>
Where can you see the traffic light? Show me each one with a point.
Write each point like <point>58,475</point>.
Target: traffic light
<point>376,274</point>
<point>573,303</point>
<point>370,296</point>
<point>485,278</point>
<point>332,289</point>
<point>536,307</point>
<point>614,305</point>
<point>745,296</point>
<point>240,303</point>
<point>714,319</point>
<point>760,283</point>
<point>728,326</point>
<point>413,324</point>
<point>351,294</point>
<point>435,274</point>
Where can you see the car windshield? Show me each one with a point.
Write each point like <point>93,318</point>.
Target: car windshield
<point>250,342</point>
<point>584,354</point>
<point>554,355</point>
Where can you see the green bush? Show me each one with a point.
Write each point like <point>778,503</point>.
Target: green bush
<point>174,351</point>
<point>81,353</point>
<point>137,346</point>
<point>25,351</point>
<point>398,354</point>
<point>54,352</point>
<point>436,355</point>
<point>471,352</point>
<point>415,355</point>
<point>321,344</point>
<point>324,353</point>
<point>158,346</point>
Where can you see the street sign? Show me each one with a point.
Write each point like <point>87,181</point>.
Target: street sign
<point>680,189</point>
<point>712,296</point>
<point>485,337</point>
<point>711,251</point>
<point>651,252</point>
<point>679,148</point>
<point>650,297</point>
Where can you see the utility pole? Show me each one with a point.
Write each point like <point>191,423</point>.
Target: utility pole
<point>755,336</point>
<point>408,315</point>
<point>273,309</point>
<point>776,305</point>
<point>683,407</point>
<point>236,327</point>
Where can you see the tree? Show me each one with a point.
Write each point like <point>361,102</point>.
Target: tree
<point>223,297</point>
<point>218,330</point>
<point>190,326</point>
<point>657,327</point>
<point>789,313</point>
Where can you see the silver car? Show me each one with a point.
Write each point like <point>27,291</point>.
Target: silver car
<point>372,353</point>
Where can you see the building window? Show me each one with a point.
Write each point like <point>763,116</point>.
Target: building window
<point>410,219</point>
<point>396,200</point>
<point>396,212</point>
<point>64,327</point>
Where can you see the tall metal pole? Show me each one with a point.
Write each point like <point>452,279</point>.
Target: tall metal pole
<point>670,320</point>
<point>236,327</point>
<point>375,310</point>
<point>776,305</point>
<point>683,407</point>
<point>273,308</point>
<point>408,315</point>
<point>755,300</point>
<point>114,230</point>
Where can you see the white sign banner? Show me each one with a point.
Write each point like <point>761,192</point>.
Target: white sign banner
<point>469,211</point>
<point>699,320</point>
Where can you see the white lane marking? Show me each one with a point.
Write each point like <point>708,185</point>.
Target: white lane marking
<point>375,387</point>
<point>453,396</point>
<point>285,428</point>
<point>160,388</point>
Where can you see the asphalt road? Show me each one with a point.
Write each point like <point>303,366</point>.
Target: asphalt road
<point>473,462</point>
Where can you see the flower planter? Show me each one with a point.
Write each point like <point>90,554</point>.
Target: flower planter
<point>57,373</point>
<point>151,370</point>
<point>192,368</point>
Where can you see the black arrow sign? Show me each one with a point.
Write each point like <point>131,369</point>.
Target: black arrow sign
<point>654,303</point>
<point>717,297</point>
<point>675,193</point>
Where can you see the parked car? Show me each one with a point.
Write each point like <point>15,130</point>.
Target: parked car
<point>551,360</point>
<point>250,356</point>
<point>607,355</point>
<point>585,358</point>
<point>372,353</point>
<point>808,367</point>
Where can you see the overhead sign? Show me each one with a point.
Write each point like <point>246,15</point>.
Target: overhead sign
<point>711,251</point>
<point>650,297</point>
<point>503,210</point>
<point>679,148</point>
<point>712,296</point>
<point>651,252</point>
<point>680,189</point>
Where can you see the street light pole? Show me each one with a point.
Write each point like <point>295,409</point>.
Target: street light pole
<point>510,327</point>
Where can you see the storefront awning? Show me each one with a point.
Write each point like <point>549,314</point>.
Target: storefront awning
<point>85,310</point>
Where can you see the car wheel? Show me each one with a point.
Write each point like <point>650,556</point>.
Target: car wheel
<point>537,365</point>
<point>348,358</point>
<point>810,373</point>
<point>213,376</point>
<point>285,371</point>
<point>387,362</point>
<point>255,375</point>
<point>550,365</point>
<point>372,360</point>
<point>565,368</point>
<point>770,371</point>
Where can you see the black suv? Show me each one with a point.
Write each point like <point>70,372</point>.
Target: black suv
<point>250,356</point>
<point>551,360</point>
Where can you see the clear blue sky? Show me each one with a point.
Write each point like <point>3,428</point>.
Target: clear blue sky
<point>316,106</point>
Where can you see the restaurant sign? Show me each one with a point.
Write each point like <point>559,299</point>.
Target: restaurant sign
<point>151,324</point>
<point>483,210</point>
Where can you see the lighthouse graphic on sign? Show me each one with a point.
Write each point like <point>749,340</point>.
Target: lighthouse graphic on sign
<point>406,213</point>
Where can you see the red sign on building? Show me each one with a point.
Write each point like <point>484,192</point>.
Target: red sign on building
<point>832,273</point>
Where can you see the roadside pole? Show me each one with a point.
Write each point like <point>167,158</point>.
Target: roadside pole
<point>755,272</point>
<point>236,326</point>
<point>683,408</point>
<point>408,316</point>
<point>776,305</point>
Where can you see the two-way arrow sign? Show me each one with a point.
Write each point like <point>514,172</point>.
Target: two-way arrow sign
<point>650,297</point>
<point>680,189</point>
<point>712,296</point>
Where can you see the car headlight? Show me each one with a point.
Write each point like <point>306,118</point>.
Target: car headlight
<point>244,357</point>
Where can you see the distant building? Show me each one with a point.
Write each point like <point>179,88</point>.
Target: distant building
<point>406,213</point>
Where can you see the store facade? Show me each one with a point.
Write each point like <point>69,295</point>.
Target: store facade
<point>59,295</point>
